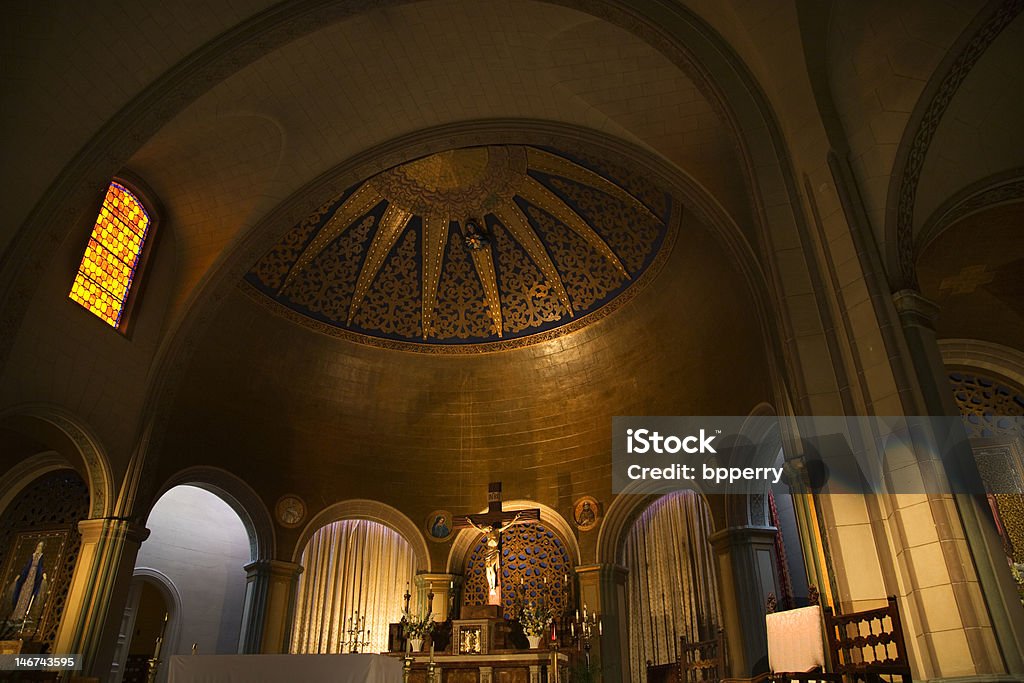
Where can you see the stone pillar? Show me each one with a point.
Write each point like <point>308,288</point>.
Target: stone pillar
<point>99,588</point>
<point>269,607</point>
<point>602,588</point>
<point>254,611</point>
<point>994,588</point>
<point>746,563</point>
<point>444,587</point>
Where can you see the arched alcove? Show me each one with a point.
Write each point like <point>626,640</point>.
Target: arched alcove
<point>199,545</point>
<point>355,573</point>
<point>672,586</point>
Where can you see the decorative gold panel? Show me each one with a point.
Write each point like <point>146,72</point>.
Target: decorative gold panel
<point>468,247</point>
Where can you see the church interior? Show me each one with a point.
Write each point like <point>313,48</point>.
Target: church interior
<point>316,316</point>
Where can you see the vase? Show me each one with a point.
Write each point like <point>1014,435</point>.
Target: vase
<point>534,641</point>
<point>416,643</point>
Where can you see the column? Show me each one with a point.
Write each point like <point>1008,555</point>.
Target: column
<point>99,588</point>
<point>602,588</point>
<point>269,610</point>
<point>745,559</point>
<point>254,611</point>
<point>993,586</point>
<point>444,587</point>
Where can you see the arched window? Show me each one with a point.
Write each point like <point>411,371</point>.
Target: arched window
<point>112,258</point>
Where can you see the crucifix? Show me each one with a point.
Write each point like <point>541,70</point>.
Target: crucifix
<point>491,524</point>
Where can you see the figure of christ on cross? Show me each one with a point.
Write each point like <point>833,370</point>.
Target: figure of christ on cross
<point>491,524</point>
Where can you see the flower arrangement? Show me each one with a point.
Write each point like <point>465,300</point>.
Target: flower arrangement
<point>417,627</point>
<point>535,618</point>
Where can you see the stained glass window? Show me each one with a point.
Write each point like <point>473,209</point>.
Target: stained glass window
<point>110,262</point>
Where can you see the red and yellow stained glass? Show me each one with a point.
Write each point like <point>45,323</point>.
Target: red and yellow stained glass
<point>108,267</point>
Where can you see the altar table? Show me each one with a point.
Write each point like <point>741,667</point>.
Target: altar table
<point>519,666</point>
<point>350,668</point>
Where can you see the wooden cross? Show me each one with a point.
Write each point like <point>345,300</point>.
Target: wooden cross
<point>491,524</point>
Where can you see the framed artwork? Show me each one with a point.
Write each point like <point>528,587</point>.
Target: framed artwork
<point>586,513</point>
<point>28,577</point>
<point>438,526</point>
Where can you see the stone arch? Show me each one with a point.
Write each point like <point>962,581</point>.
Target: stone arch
<point>990,358</point>
<point>27,471</point>
<point>899,247</point>
<point>673,30</point>
<point>465,539</point>
<point>246,503</point>
<point>996,190</point>
<point>171,596</point>
<point>374,511</point>
<point>624,511</point>
<point>73,444</point>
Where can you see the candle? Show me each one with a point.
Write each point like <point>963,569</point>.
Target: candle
<point>572,627</point>
<point>600,628</point>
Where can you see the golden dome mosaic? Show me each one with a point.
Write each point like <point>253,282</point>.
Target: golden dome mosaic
<point>471,246</point>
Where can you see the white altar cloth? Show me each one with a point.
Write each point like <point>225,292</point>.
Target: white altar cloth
<point>794,640</point>
<point>284,668</point>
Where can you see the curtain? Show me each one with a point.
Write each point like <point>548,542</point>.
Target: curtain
<point>671,586</point>
<point>350,565</point>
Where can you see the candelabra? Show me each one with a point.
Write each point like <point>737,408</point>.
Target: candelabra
<point>154,662</point>
<point>584,629</point>
<point>358,634</point>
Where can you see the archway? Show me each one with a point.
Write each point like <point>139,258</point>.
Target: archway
<point>356,572</point>
<point>151,627</point>
<point>199,546</point>
<point>672,588</point>
<point>39,541</point>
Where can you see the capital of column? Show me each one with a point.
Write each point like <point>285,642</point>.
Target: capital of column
<point>276,569</point>
<point>914,309</point>
<point>742,535</point>
<point>443,586</point>
<point>99,528</point>
<point>602,571</point>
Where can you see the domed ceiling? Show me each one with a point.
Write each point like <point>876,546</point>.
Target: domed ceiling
<point>471,248</point>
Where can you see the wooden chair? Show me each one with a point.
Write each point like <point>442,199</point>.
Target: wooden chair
<point>868,646</point>
<point>703,661</point>
<point>700,662</point>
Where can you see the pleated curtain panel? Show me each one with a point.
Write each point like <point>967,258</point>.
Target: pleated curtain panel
<point>350,565</point>
<point>671,584</point>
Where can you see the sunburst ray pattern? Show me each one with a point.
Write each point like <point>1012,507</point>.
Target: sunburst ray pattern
<point>593,212</point>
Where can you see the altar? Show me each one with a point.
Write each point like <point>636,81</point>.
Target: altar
<point>343,668</point>
<point>533,666</point>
